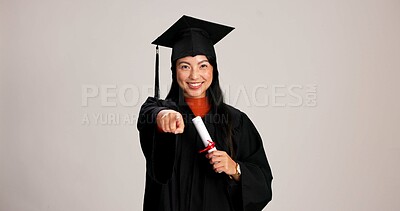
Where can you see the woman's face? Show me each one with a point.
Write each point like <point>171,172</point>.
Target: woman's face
<point>194,75</point>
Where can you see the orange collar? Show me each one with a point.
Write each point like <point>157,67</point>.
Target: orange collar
<point>199,106</point>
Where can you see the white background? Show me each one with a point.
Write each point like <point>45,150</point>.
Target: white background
<point>342,154</point>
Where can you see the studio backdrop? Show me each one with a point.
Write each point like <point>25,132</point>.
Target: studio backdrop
<point>317,78</point>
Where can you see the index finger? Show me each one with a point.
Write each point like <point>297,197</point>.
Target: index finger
<point>180,125</point>
<point>214,153</point>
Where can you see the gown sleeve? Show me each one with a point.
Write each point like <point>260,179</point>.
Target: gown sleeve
<point>158,148</point>
<point>256,176</point>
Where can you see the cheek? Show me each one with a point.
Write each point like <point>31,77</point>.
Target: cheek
<point>181,77</point>
<point>209,76</point>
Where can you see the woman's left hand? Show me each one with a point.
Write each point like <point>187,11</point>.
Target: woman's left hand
<point>222,162</point>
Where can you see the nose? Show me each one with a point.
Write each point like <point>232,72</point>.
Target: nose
<point>194,73</point>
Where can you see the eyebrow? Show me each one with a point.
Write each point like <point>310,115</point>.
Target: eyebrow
<point>205,60</point>
<point>183,62</point>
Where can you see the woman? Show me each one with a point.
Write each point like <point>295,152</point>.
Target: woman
<point>178,178</point>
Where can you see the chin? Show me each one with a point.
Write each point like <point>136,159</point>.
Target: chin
<point>195,95</point>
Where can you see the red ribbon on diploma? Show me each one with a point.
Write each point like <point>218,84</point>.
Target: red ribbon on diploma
<point>210,145</point>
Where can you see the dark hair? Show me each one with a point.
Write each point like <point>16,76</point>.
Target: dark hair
<point>215,97</point>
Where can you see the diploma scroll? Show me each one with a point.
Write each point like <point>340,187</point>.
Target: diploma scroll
<point>204,135</point>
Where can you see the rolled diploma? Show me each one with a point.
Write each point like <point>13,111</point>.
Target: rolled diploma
<point>203,132</point>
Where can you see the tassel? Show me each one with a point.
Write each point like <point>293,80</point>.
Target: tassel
<point>157,80</point>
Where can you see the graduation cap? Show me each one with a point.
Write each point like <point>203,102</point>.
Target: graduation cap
<point>189,37</point>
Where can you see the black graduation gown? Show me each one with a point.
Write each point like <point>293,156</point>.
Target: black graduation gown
<point>178,178</point>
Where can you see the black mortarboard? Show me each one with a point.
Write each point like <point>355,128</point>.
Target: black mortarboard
<point>190,37</point>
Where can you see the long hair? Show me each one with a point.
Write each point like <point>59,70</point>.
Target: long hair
<point>214,96</point>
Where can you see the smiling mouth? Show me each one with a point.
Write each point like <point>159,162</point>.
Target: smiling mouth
<point>194,85</point>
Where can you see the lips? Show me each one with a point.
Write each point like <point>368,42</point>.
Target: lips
<point>194,85</point>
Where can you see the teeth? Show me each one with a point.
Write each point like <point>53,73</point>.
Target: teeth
<point>194,84</point>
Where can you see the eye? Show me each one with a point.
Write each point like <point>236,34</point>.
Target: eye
<point>204,66</point>
<point>184,67</point>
